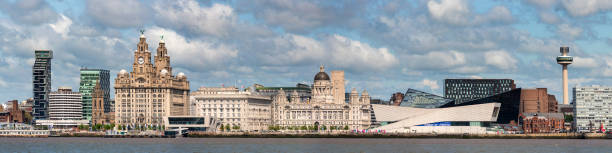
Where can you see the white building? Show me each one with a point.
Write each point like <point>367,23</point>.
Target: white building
<point>243,109</point>
<point>65,104</point>
<point>473,119</point>
<point>326,107</point>
<point>592,108</point>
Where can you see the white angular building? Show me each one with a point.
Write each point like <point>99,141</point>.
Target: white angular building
<point>473,119</point>
<point>326,107</point>
<point>243,109</point>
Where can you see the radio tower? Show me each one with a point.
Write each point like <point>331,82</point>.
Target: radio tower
<point>565,60</point>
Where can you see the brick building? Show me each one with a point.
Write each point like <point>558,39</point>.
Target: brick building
<point>13,114</point>
<point>542,122</point>
<point>537,101</point>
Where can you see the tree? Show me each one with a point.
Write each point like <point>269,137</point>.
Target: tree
<point>569,118</point>
<point>236,127</point>
<point>324,127</point>
<point>346,127</point>
<point>221,128</point>
<point>227,127</point>
<point>303,127</point>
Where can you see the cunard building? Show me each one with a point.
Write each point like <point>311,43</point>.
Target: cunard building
<point>326,107</point>
<point>150,91</point>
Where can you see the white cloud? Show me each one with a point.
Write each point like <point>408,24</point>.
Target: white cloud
<point>452,11</point>
<point>568,32</point>
<point>216,20</point>
<point>586,7</point>
<point>458,12</point>
<point>432,84</point>
<point>585,62</point>
<point>62,26</point>
<point>436,60</point>
<point>193,53</point>
<point>349,53</point>
<point>468,69</point>
<point>500,59</point>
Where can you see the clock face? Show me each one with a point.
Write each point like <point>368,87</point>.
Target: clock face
<point>140,60</point>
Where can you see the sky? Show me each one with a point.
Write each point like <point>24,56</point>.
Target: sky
<point>383,46</point>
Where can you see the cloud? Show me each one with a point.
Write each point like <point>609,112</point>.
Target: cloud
<point>216,20</point>
<point>303,16</point>
<point>193,54</point>
<point>568,32</point>
<point>433,85</point>
<point>62,26</point>
<point>354,54</point>
<point>119,13</point>
<point>584,62</point>
<point>457,12</point>
<point>436,60</point>
<point>500,59</point>
<point>33,12</point>
<point>586,7</point>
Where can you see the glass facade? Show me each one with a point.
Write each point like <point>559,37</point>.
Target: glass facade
<point>420,99</point>
<point>41,83</point>
<point>89,78</point>
<point>463,90</point>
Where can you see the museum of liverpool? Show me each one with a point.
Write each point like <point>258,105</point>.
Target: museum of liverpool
<point>472,119</point>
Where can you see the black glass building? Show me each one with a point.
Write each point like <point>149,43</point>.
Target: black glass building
<point>510,105</point>
<point>463,90</point>
<point>41,83</point>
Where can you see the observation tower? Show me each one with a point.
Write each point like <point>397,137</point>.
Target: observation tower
<point>565,60</point>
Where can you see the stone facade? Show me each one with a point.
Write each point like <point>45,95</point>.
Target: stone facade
<point>322,109</point>
<point>150,91</point>
<point>243,109</point>
<point>99,105</point>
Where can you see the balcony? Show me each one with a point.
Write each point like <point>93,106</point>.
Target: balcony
<point>565,59</point>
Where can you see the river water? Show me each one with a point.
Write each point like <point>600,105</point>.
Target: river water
<point>230,145</point>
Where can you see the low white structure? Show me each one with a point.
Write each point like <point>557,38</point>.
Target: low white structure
<point>62,124</point>
<point>191,123</point>
<point>471,119</point>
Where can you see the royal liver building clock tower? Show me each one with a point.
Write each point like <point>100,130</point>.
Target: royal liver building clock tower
<point>150,92</point>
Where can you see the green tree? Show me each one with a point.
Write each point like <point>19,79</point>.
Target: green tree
<point>227,127</point>
<point>324,127</point>
<point>569,118</point>
<point>221,128</point>
<point>236,127</point>
<point>346,127</point>
<point>303,127</point>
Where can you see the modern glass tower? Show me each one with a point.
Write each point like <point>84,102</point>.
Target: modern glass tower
<point>41,83</point>
<point>89,78</point>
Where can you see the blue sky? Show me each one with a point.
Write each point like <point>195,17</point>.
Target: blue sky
<point>383,46</point>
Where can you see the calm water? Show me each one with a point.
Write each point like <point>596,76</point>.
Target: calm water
<point>229,145</point>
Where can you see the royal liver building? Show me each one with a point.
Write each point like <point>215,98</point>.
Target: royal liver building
<point>150,91</point>
<point>327,106</point>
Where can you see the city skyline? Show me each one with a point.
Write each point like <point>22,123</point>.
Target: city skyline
<point>381,46</point>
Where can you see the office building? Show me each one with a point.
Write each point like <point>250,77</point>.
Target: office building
<point>241,110</point>
<point>64,104</point>
<point>463,90</point>
<point>592,108</point>
<point>89,79</point>
<point>150,92</point>
<point>41,83</point>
